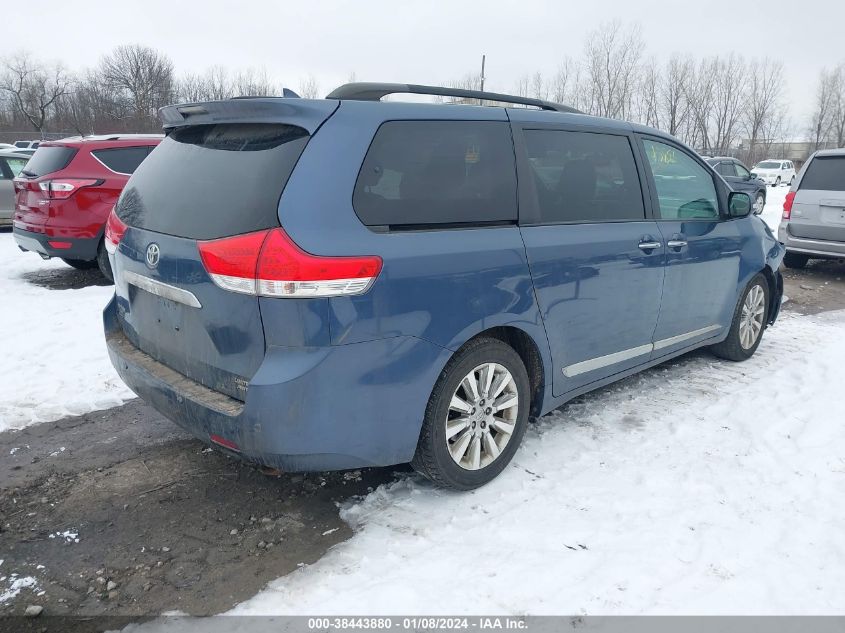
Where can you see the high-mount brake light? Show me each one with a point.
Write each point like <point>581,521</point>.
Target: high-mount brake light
<point>115,228</point>
<point>270,264</point>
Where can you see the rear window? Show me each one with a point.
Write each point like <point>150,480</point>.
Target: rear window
<point>769,165</point>
<point>825,173</point>
<point>46,160</point>
<point>123,160</point>
<point>424,173</point>
<point>208,181</point>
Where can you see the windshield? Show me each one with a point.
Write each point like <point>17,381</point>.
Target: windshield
<point>768,165</point>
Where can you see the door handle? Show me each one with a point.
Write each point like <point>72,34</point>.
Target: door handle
<point>676,244</point>
<point>649,246</point>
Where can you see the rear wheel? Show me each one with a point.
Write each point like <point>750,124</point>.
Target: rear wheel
<point>103,261</point>
<point>748,323</point>
<point>795,260</point>
<point>777,182</point>
<point>476,416</point>
<point>80,264</point>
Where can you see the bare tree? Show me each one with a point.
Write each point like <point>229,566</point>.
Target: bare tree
<point>612,55</point>
<point>764,81</point>
<point>33,89</point>
<point>673,94</point>
<point>254,83</point>
<point>837,124</point>
<point>567,85</point>
<point>648,94</point>
<point>309,88</point>
<point>729,100</point>
<point>821,121</point>
<point>141,81</point>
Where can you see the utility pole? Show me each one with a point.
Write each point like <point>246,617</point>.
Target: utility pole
<point>483,59</point>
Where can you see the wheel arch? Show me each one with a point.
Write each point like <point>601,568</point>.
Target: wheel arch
<point>529,351</point>
<point>775,283</point>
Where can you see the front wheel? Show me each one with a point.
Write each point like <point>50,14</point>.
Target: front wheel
<point>748,324</point>
<point>759,203</point>
<point>476,416</point>
<point>795,260</point>
<point>777,182</point>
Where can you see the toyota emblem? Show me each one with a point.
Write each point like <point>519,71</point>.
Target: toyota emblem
<point>153,252</point>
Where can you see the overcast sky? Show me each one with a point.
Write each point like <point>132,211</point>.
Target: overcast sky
<point>428,41</point>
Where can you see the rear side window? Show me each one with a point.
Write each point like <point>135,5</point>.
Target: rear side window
<point>14,165</point>
<point>825,173</point>
<point>422,173</point>
<point>46,160</point>
<point>583,177</point>
<point>122,160</point>
<point>208,181</point>
<point>726,169</point>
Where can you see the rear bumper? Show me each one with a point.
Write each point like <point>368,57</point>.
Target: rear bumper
<point>813,248</point>
<point>306,409</point>
<point>70,248</point>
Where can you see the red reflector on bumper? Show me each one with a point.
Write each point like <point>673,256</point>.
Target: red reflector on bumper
<point>222,441</point>
<point>59,245</point>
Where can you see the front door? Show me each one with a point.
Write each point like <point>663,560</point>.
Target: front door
<point>703,249</point>
<point>596,261</point>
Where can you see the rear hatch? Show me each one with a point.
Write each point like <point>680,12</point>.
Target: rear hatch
<point>219,173</point>
<point>818,209</point>
<point>32,193</point>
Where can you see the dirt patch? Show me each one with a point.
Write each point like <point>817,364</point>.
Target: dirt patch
<point>142,520</point>
<point>817,288</point>
<point>65,278</point>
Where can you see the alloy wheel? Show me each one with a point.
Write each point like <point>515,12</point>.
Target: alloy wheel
<point>482,416</point>
<point>751,320</point>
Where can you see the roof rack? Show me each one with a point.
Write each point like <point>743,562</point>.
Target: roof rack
<point>368,91</point>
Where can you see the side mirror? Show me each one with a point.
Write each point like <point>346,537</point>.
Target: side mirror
<point>739,204</point>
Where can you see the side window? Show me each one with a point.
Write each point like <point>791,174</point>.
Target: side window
<point>684,188</point>
<point>123,160</point>
<point>726,168</point>
<point>420,173</point>
<point>741,171</point>
<point>5,172</point>
<point>583,177</point>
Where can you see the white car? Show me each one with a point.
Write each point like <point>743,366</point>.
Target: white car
<point>774,172</point>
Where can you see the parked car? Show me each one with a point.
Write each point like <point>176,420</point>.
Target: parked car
<point>813,221</point>
<point>27,144</point>
<point>65,193</point>
<point>739,177</point>
<point>6,146</point>
<point>775,172</point>
<point>11,165</point>
<point>343,282</point>
<point>18,151</point>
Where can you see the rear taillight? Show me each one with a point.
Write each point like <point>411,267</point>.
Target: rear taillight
<point>115,228</point>
<point>66,187</point>
<point>787,205</point>
<point>270,264</point>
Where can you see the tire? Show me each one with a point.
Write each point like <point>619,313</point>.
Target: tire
<point>103,261</point>
<point>81,264</point>
<point>476,436</point>
<point>777,182</point>
<point>753,306</point>
<point>759,203</point>
<point>795,260</point>
<point>791,181</point>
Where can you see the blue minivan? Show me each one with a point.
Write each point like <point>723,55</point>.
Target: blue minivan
<point>345,282</point>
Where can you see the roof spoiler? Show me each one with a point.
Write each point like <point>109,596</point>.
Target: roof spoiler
<point>305,113</point>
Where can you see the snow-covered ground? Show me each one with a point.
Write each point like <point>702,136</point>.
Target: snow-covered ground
<point>774,206</point>
<point>53,359</point>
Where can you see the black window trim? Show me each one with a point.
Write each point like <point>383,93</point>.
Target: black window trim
<point>119,173</point>
<point>436,226</point>
<point>529,212</point>
<point>718,182</point>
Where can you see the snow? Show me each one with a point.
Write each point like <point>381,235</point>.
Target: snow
<point>15,585</point>
<point>774,206</point>
<point>54,361</point>
<point>702,486</point>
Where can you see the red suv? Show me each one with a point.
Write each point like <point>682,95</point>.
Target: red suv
<point>65,192</point>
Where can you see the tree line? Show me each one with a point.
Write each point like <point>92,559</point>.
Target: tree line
<point>715,104</point>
